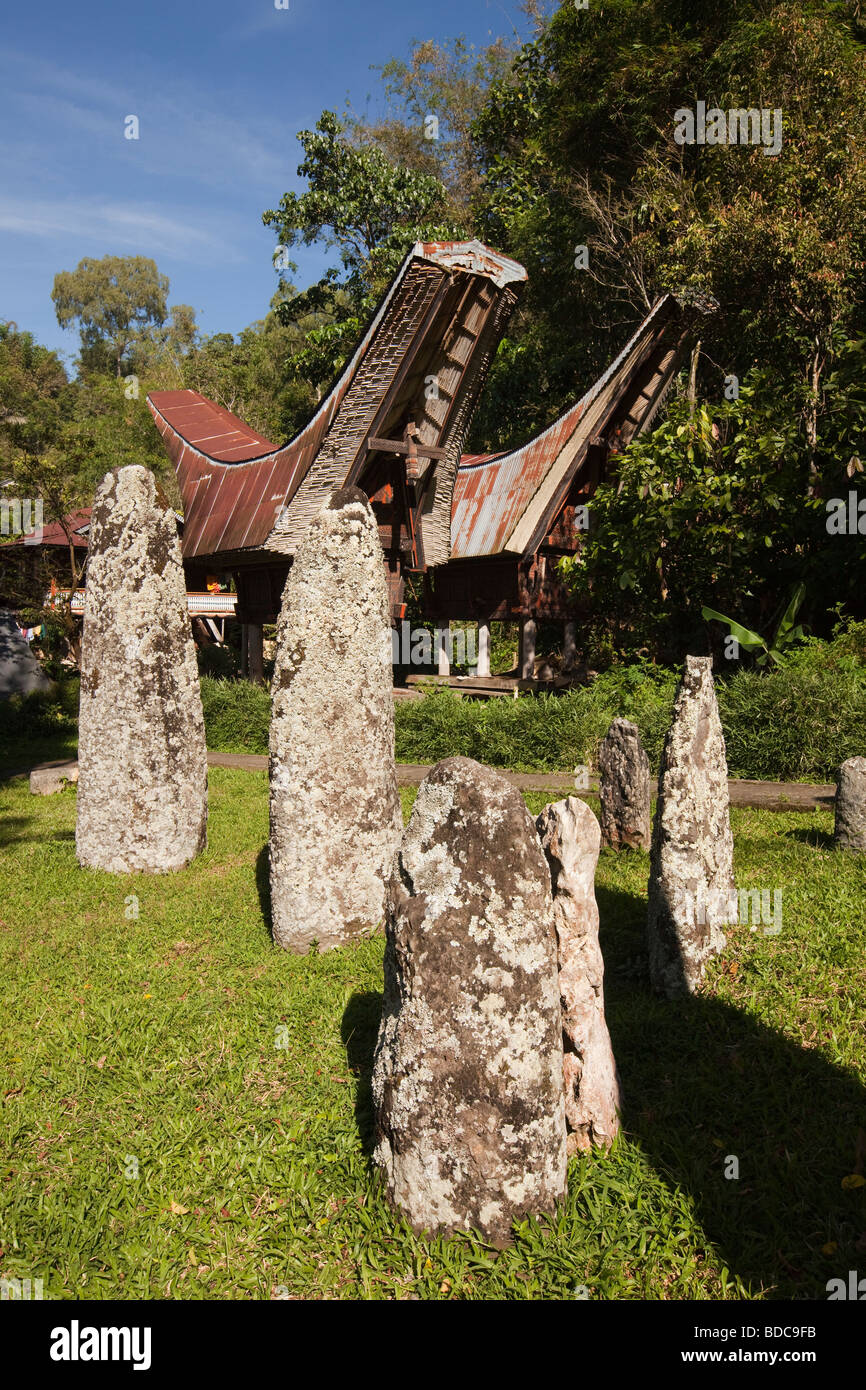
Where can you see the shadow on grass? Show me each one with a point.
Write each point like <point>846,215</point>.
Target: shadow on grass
<point>815,839</point>
<point>10,827</point>
<point>705,1083</point>
<point>358,1029</point>
<point>263,887</point>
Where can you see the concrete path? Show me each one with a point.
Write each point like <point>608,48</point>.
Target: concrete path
<point>765,796</point>
<point>762,796</point>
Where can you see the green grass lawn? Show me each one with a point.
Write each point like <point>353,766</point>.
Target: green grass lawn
<point>185,1109</point>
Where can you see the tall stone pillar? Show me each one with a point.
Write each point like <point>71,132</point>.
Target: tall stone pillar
<point>850,826</point>
<point>692,893</point>
<point>624,788</point>
<point>142,761</point>
<point>334,807</point>
<point>468,1071</point>
<point>571,839</point>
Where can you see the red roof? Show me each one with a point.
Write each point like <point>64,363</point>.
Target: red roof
<point>54,534</point>
<point>501,501</point>
<point>241,492</point>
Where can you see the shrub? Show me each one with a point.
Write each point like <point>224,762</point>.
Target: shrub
<point>236,715</point>
<point>41,713</point>
<point>797,723</point>
<point>547,733</point>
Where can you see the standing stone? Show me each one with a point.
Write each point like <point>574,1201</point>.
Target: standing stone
<point>468,1072</point>
<point>850,828</point>
<point>335,809</point>
<point>571,839</point>
<point>624,776</point>
<point>142,761</point>
<point>20,672</point>
<point>692,893</point>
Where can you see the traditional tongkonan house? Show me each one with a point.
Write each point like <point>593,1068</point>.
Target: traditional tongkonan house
<point>393,425</point>
<point>515,514</point>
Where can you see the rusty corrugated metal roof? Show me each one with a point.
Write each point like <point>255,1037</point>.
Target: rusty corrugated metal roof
<point>494,492</point>
<point>238,488</point>
<point>54,534</point>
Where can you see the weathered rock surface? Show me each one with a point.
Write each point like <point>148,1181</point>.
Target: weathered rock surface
<point>850,828</point>
<point>468,1073</point>
<point>142,763</point>
<point>53,777</point>
<point>692,893</point>
<point>624,787</point>
<point>571,839</point>
<point>334,805</point>
<point>20,672</point>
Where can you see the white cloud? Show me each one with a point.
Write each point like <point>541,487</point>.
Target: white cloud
<point>129,226</point>
<point>190,137</point>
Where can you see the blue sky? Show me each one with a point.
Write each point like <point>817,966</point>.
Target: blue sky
<point>220,90</point>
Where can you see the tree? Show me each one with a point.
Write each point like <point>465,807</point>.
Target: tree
<point>254,376</point>
<point>369,209</point>
<point>57,440</point>
<point>433,101</point>
<point>114,301</point>
<point>713,511</point>
<point>579,149</point>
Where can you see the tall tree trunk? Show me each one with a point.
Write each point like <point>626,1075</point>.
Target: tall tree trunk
<point>811,413</point>
<point>693,378</point>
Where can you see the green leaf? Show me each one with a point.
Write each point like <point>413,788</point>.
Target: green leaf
<point>752,641</point>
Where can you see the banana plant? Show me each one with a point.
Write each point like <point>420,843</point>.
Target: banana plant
<point>785,636</point>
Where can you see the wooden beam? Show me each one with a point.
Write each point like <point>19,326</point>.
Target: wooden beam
<point>398,446</point>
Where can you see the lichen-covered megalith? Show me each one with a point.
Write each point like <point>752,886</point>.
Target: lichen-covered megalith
<point>142,760</point>
<point>692,893</point>
<point>571,839</point>
<point>624,788</point>
<point>468,1071</point>
<point>334,805</point>
<point>850,826</point>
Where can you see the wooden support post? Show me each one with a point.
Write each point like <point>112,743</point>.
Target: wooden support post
<point>245,651</point>
<point>528,634</point>
<point>569,646</point>
<point>443,651</point>
<point>483,649</point>
<point>255,653</point>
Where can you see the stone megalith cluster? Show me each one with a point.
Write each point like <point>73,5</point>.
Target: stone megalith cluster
<point>335,819</point>
<point>142,761</point>
<point>850,822</point>
<point>624,788</point>
<point>571,839</point>
<point>468,1071</point>
<point>692,893</point>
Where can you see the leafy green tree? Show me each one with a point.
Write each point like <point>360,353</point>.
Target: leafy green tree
<point>371,211</point>
<point>432,101</point>
<point>714,510</point>
<point>114,301</point>
<point>254,376</point>
<point>160,350</point>
<point>34,390</point>
<point>578,148</point>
